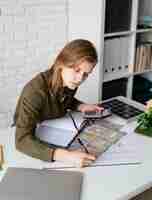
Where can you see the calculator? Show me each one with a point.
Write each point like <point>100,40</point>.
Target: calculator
<point>97,114</point>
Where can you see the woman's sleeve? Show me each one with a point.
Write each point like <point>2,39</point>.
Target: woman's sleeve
<point>26,142</point>
<point>75,103</point>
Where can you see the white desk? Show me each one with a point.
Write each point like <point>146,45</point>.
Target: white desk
<point>110,182</point>
<point>116,182</point>
<point>104,182</point>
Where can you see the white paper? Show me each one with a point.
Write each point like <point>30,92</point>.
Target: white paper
<point>59,131</point>
<point>65,122</point>
<point>56,136</point>
<point>128,150</point>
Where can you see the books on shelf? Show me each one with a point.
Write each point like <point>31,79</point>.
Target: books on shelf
<point>143,57</point>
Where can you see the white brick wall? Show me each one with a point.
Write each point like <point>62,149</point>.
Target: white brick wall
<point>31,33</point>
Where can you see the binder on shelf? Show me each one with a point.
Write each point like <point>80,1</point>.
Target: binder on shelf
<point>116,52</point>
<point>107,62</point>
<point>117,62</point>
<point>112,57</point>
<point>124,53</point>
<point>108,56</point>
<point>123,61</point>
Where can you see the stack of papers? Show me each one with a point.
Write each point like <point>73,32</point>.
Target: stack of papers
<point>59,131</point>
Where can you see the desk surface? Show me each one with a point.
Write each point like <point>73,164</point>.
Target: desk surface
<point>116,182</point>
<point>108,182</point>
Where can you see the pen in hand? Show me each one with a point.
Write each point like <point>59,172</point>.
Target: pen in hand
<point>70,115</point>
<point>78,129</point>
<point>86,150</point>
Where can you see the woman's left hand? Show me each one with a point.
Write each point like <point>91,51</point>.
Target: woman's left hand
<point>89,108</point>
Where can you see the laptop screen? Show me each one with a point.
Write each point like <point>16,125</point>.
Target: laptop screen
<point>34,184</point>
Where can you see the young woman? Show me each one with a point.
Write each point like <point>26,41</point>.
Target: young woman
<point>49,95</point>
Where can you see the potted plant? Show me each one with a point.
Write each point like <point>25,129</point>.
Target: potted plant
<point>145,123</point>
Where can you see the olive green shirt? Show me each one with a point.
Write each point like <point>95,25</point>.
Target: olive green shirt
<point>36,104</point>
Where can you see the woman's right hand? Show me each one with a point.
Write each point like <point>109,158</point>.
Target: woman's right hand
<point>78,158</point>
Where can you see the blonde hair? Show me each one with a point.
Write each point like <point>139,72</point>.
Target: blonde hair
<point>73,52</point>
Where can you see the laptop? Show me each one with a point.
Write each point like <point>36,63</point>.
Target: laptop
<point>35,184</point>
